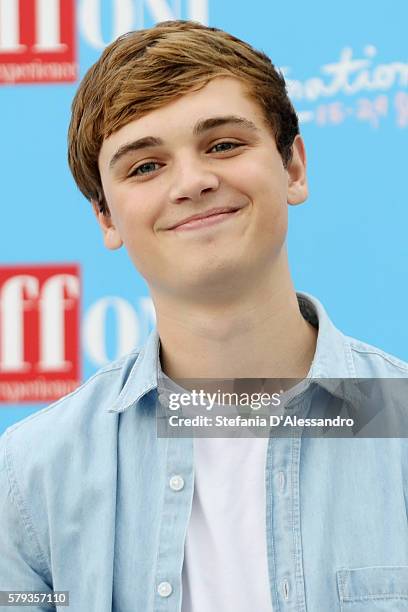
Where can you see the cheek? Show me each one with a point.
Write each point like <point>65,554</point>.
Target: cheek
<point>268,194</point>
<point>267,183</point>
<point>133,213</point>
<point>260,175</point>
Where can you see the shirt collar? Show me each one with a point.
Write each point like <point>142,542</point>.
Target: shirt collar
<point>143,376</point>
<point>332,360</point>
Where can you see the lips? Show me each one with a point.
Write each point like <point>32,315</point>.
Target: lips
<point>205,215</point>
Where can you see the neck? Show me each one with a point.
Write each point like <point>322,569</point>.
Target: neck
<point>260,334</point>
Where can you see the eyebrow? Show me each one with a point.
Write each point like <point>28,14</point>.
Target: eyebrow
<point>202,126</point>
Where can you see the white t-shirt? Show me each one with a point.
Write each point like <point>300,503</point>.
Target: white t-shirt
<point>225,563</point>
<point>225,554</point>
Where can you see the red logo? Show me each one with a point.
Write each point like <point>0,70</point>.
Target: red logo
<point>39,332</point>
<point>37,41</point>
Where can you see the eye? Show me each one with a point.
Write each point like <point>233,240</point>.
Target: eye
<point>144,169</point>
<point>222,147</point>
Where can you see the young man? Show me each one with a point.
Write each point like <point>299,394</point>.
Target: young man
<point>184,140</point>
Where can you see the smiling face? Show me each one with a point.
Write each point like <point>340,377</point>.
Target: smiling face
<point>208,153</point>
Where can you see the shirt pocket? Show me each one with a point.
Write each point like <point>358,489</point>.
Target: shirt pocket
<point>373,589</point>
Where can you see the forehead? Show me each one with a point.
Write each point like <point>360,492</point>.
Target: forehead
<point>220,96</point>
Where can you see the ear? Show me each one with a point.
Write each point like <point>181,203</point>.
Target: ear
<point>297,181</point>
<point>111,236</point>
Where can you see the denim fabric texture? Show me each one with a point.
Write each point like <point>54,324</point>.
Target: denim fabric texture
<point>86,504</point>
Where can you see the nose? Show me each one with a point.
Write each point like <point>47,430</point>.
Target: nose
<point>192,178</point>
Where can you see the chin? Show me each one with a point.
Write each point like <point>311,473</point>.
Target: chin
<point>207,278</point>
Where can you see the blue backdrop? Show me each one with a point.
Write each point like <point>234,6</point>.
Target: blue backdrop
<point>348,77</point>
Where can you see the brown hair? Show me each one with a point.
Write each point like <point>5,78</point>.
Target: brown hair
<point>144,70</point>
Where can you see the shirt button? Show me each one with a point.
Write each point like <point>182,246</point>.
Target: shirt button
<point>176,483</point>
<point>285,589</point>
<point>164,589</point>
<point>281,477</point>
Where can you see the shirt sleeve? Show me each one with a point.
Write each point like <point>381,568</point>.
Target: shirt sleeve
<point>22,563</point>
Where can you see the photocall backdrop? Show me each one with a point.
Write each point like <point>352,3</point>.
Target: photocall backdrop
<point>68,306</point>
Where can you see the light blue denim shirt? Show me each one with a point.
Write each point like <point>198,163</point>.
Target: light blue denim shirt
<point>87,503</point>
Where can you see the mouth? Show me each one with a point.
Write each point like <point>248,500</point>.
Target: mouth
<point>213,218</point>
